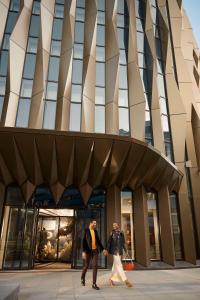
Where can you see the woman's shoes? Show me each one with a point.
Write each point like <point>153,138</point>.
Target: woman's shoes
<point>128,284</point>
<point>111,283</point>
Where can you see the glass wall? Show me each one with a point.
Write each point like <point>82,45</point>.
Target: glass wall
<point>100,69</point>
<point>153,223</point>
<point>10,24</point>
<point>77,68</point>
<point>176,227</point>
<point>127,221</point>
<point>50,100</point>
<point>24,104</point>
<point>123,33</point>
<point>145,66</point>
<point>161,83</point>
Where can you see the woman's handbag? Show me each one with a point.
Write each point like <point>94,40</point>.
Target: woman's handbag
<point>128,264</point>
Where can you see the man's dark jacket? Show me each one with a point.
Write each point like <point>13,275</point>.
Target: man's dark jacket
<point>87,241</point>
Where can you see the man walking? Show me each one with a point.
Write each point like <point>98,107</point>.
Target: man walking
<point>91,247</point>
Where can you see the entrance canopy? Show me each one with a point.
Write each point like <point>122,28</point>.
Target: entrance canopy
<point>58,159</point>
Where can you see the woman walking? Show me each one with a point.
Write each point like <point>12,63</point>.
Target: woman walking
<point>116,245</point>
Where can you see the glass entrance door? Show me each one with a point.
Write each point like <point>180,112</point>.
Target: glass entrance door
<point>19,242</point>
<point>54,239</point>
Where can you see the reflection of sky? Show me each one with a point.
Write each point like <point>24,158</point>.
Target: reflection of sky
<point>192,8</point>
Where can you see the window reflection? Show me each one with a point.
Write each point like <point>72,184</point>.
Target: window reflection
<point>51,92</point>
<point>49,115</point>
<point>75,117</point>
<point>23,113</point>
<point>154,234</point>
<point>99,118</point>
<point>176,226</point>
<point>127,221</point>
<point>26,88</point>
<point>123,121</point>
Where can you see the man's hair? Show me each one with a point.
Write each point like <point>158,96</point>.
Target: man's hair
<point>92,219</point>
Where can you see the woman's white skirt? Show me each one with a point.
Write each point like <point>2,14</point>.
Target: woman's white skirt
<point>118,273</point>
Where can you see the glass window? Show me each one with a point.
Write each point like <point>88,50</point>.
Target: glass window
<point>60,2</point>
<point>139,25</point>
<point>26,89</point>
<point>49,115</point>
<point>36,8</point>
<point>3,63</point>
<point>99,95</point>
<point>76,95</point>
<point>6,40</point>
<point>32,45</point>
<point>123,98</point>
<point>53,68</point>
<point>79,32</point>
<point>123,77</point>
<point>100,119</point>
<point>2,85</point>
<point>23,113</point>
<point>139,8</point>
<point>75,117</point>
<point>57,29</point>
<point>15,5</point>
<point>165,123</point>
<point>80,3</point>
<point>77,71</point>
<point>29,68</point>
<point>176,226</point>
<point>1,105</point>
<point>159,66</point>
<point>80,14</point>
<point>140,42</point>
<point>158,48</point>
<point>122,20</point>
<point>12,18</point>
<point>100,35</point>
<point>148,129</point>
<point>153,226</point>
<point>141,60</point>
<point>161,86</point>
<point>52,88</point>
<point>100,53</point>
<point>123,57</point>
<point>59,11</point>
<point>100,74</point>
<point>122,38</point>
<point>154,14</point>
<point>35,25</point>
<point>169,151</point>
<point>55,48</point>
<point>101,4</point>
<point>127,224</point>
<point>163,106</point>
<point>144,77</point>
<point>123,121</point>
<point>78,51</point>
<point>100,17</point>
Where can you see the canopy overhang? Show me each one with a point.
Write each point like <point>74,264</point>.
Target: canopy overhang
<point>31,157</point>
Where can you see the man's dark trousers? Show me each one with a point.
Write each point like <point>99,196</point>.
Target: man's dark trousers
<point>94,256</point>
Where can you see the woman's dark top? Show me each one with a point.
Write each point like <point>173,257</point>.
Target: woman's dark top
<point>116,242</point>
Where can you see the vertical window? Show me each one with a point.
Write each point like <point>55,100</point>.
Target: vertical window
<point>176,226</point>
<point>75,117</point>
<point>154,235</point>
<point>123,33</point>
<point>127,221</point>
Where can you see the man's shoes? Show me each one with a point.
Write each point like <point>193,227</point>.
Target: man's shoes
<point>94,286</point>
<point>83,281</point>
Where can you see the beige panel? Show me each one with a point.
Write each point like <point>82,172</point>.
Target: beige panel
<point>4,11</point>
<point>137,121</point>
<point>11,110</point>
<point>36,111</point>
<point>89,67</point>
<point>46,13</point>
<point>142,246</point>
<point>178,136</point>
<point>186,220</point>
<point>88,112</point>
<point>65,75</point>
<point>4,234</point>
<point>112,118</point>
<point>165,222</point>
<point>157,130</point>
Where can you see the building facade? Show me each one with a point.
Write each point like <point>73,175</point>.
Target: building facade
<point>99,118</point>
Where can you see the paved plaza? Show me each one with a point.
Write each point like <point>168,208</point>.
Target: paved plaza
<point>65,284</point>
